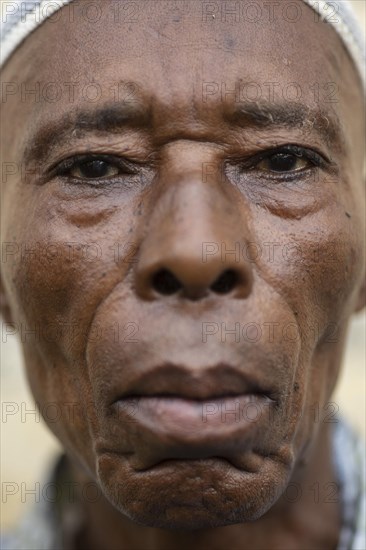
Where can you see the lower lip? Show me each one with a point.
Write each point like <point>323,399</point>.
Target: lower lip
<point>176,414</point>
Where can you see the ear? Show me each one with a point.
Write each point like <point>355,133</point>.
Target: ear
<point>4,304</point>
<point>361,298</point>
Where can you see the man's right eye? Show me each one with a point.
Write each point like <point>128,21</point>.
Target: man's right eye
<point>94,168</point>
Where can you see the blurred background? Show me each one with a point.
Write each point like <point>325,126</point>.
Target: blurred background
<point>28,448</point>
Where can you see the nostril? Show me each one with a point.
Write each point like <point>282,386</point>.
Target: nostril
<point>165,282</point>
<point>227,281</point>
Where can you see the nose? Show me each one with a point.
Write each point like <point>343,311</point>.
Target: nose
<point>193,247</point>
<point>184,278</point>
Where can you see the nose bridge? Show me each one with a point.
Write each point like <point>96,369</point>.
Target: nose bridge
<point>196,208</point>
<point>194,196</point>
<point>192,206</point>
<point>193,214</point>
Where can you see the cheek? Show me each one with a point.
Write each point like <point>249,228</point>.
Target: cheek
<point>337,274</point>
<point>61,260</point>
<point>315,263</point>
<point>67,256</point>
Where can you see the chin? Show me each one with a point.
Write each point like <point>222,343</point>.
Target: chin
<point>190,496</point>
<point>183,516</point>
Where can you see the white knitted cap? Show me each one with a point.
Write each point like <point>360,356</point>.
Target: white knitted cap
<point>22,17</point>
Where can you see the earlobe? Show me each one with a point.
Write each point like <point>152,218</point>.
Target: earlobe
<point>361,298</point>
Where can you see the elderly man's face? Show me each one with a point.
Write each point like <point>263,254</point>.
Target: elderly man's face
<point>196,217</point>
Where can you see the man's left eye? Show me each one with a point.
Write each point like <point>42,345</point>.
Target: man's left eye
<point>94,169</point>
<point>283,162</point>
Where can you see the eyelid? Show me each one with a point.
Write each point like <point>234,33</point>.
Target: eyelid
<point>318,159</point>
<point>61,168</point>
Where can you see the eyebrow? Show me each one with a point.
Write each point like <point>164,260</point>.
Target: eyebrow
<point>111,118</point>
<point>286,115</point>
<point>114,117</point>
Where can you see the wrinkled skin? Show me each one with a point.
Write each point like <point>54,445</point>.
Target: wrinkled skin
<point>161,211</point>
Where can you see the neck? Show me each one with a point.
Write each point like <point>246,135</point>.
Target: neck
<point>306,516</point>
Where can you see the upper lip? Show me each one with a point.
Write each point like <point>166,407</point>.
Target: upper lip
<point>183,381</point>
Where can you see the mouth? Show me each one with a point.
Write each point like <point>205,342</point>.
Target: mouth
<point>194,383</point>
<point>175,412</point>
<point>194,422</point>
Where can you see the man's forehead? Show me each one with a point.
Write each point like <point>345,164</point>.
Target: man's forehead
<point>177,59</point>
<point>159,43</point>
